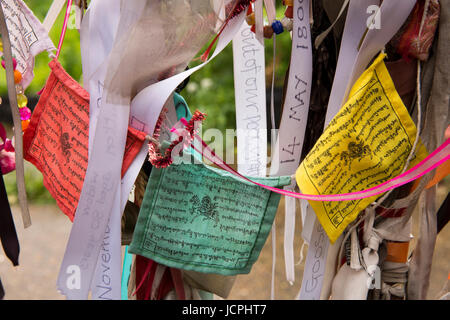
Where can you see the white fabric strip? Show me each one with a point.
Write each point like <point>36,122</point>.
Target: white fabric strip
<point>259,21</point>
<point>250,97</point>
<point>52,14</point>
<point>271,14</point>
<point>289,233</point>
<point>308,222</point>
<point>99,189</point>
<point>146,107</point>
<point>355,26</point>
<point>98,36</point>
<point>325,33</point>
<point>351,64</point>
<point>289,144</point>
<point>315,264</point>
<point>271,10</point>
<point>274,260</point>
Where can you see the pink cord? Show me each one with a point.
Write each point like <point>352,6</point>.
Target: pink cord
<point>63,32</point>
<point>435,159</point>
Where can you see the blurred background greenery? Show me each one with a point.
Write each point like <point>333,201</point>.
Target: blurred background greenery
<point>210,90</point>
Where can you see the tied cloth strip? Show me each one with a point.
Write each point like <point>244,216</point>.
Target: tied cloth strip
<point>20,169</point>
<point>8,235</point>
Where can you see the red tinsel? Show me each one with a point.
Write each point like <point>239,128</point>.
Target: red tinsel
<point>155,156</point>
<point>240,6</point>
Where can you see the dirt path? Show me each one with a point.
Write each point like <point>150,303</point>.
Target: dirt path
<point>43,244</point>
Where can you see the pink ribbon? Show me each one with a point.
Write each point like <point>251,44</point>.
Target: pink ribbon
<point>7,156</point>
<point>434,160</point>
<point>63,32</point>
<point>7,144</point>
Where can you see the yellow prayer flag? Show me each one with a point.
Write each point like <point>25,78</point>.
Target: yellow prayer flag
<point>366,143</point>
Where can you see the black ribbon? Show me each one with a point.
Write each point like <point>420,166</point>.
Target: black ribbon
<point>8,234</point>
<point>2,291</point>
<point>443,215</point>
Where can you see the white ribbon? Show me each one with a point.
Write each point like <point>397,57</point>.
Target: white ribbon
<point>250,97</point>
<point>351,64</point>
<point>97,35</point>
<point>315,264</point>
<point>90,229</point>
<point>52,14</point>
<point>289,143</point>
<point>271,10</point>
<point>259,21</point>
<point>101,182</point>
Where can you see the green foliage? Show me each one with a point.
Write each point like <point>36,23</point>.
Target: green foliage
<point>70,55</point>
<point>36,191</point>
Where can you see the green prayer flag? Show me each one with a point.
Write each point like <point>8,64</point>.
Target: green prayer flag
<point>196,217</point>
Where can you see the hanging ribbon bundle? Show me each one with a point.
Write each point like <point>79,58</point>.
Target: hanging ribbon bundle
<point>119,88</point>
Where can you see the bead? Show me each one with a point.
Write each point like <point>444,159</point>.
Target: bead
<point>1,45</point>
<point>14,63</point>
<point>289,13</point>
<point>19,89</point>
<point>9,146</point>
<point>25,113</point>
<point>25,124</point>
<point>250,19</point>
<point>250,9</point>
<point>277,27</point>
<point>22,100</point>
<point>287,23</point>
<point>17,76</point>
<point>268,32</point>
<point>253,29</point>
<point>289,3</point>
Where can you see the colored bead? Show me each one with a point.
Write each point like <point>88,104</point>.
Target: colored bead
<point>9,146</point>
<point>25,113</point>
<point>289,3</point>
<point>17,76</point>
<point>289,13</point>
<point>250,19</point>
<point>22,100</point>
<point>14,63</point>
<point>1,45</point>
<point>287,24</point>
<point>25,124</point>
<point>250,9</point>
<point>277,27</point>
<point>253,29</point>
<point>19,89</point>
<point>268,32</point>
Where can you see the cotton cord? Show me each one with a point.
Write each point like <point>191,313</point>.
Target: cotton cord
<point>301,258</point>
<point>274,259</point>
<point>272,119</point>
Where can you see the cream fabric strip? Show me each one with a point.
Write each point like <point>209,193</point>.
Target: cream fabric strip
<point>52,14</point>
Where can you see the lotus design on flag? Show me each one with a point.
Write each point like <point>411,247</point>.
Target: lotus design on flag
<point>204,208</point>
<point>356,151</point>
